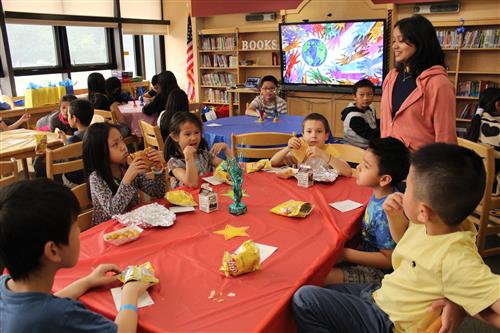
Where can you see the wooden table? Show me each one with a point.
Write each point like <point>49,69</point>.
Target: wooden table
<point>239,91</point>
<point>20,144</point>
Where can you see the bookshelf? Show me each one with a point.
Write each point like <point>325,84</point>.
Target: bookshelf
<point>473,60</point>
<point>229,56</point>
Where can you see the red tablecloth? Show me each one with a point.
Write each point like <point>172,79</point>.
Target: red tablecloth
<point>132,116</point>
<point>187,257</point>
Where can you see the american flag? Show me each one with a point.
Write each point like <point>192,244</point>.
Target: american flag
<point>190,60</point>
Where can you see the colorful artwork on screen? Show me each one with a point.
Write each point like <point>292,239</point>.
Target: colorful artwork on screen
<point>332,53</point>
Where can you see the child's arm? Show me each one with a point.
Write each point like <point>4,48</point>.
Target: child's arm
<point>278,159</point>
<point>338,164</point>
<point>398,222</point>
<point>97,278</point>
<point>189,175</point>
<point>491,315</point>
<point>25,117</point>
<point>251,111</point>
<point>381,259</point>
<point>216,149</point>
<point>126,319</point>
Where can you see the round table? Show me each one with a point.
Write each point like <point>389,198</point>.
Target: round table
<point>133,113</point>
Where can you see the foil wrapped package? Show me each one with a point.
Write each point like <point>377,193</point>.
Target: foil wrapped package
<point>144,273</point>
<point>245,259</point>
<point>148,216</point>
<point>322,172</point>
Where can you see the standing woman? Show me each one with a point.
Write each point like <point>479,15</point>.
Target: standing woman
<point>167,82</point>
<point>418,100</point>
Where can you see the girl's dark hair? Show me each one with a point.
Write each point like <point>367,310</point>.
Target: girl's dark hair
<point>318,117</point>
<point>95,84</point>
<point>487,101</point>
<point>177,101</point>
<point>154,80</point>
<point>172,148</point>
<point>269,78</point>
<point>419,31</point>
<point>96,152</point>
<point>167,82</point>
<point>114,88</point>
<point>68,98</point>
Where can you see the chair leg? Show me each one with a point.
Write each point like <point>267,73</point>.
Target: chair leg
<point>25,168</point>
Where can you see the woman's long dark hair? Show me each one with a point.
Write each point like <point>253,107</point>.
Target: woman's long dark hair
<point>96,153</point>
<point>487,101</point>
<point>167,82</point>
<point>419,31</point>
<point>114,89</point>
<point>177,101</point>
<point>96,84</point>
<point>172,148</point>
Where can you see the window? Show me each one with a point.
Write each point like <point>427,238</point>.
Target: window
<point>149,56</point>
<point>129,54</point>
<point>80,78</point>
<point>87,45</point>
<point>42,80</point>
<point>32,46</point>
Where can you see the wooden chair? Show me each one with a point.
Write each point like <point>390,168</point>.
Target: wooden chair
<point>258,145</point>
<point>109,117</point>
<point>351,154</point>
<point>84,218</point>
<point>64,159</point>
<point>8,172</point>
<point>482,217</point>
<point>151,135</point>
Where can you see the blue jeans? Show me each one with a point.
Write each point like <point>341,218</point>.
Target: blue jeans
<point>339,308</point>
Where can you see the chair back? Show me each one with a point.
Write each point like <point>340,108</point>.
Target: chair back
<point>258,145</point>
<point>108,116</point>
<point>349,153</point>
<point>8,172</point>
<point>64,159</point>
<point>482,218</point>
<point>84,218</point>
<point>151,135</point>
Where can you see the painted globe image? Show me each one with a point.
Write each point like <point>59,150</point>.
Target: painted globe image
<point>314,52</point>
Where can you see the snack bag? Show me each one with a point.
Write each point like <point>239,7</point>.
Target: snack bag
<point>264,164</point>
<point>293,208</point>
<point>41,144</point>
<point>141,154</point>
<point>299,155</point>
<point>122,236</point>
<point>245,259</point>
<point>221,173</point>
<point>144,272</point>
<point>181,198</point>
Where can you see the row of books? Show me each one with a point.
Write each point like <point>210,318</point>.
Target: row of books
<point>218,79</point>
<point>217,96</point>
<point>468,111</point>
<point>218,43</point>
<point>218,60</point>
<point>486,38</point>
<point>473,88</point>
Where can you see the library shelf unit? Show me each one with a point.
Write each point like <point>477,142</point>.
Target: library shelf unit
<point>228,56</point>
<point>473,60</point>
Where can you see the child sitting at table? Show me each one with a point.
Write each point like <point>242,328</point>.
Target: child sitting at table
<point>187,152</point>
<point>177,101</point>
<point>114,90</point>
<point>436,255</point>
<point>315,132</point>
<point>114,188</point>
<point>267,100</point>
<point>57,119</point>
<point>360,121</point>
<point>39,235</point>
<point>154,90</point>
<point>4,127</point>
<point>384,165</point>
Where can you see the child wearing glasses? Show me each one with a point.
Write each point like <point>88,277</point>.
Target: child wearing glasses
<point>267,100</point>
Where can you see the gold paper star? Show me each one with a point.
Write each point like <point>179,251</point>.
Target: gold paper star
<point>231,231</point>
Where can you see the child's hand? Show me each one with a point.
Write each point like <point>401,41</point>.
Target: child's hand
<point>136,288</point>
<point>137,166</point>
<point>218,147</point>
<point>393,205</point>
<point>189,153</point>
<point>317,152</point>
<point>99,276</point>
<point>156,156</point>
<point>61,136</point>
<point>25,117</point>
<point>294,143</point>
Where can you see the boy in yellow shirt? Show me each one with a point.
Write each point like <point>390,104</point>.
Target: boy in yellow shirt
<point>435,258</point>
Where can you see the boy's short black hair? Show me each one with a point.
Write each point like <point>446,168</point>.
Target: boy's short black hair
<point>32,213</point>
<point>68,98</point>
<point>83,110</point>
<point>393,158</point>
<point>154,80</point>
<point>269,78</point>
<point>364,83</point>
<point>318,117</point>
<point>450,179</point>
